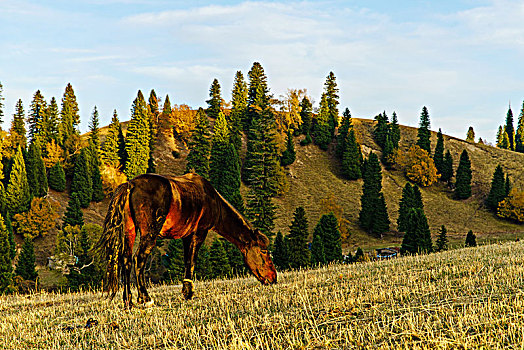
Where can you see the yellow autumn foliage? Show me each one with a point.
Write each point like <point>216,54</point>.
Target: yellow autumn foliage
<point>111,178</point>
<point>512,207</point>
<point>183,121</point>
<point>417,165</point>
<point>39,220</point>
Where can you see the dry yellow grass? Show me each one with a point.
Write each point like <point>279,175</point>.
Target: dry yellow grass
<point>462,299</point>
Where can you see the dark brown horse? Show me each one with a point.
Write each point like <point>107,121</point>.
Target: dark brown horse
<point>184,207</point>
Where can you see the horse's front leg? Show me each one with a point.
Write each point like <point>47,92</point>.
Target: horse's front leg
<point>192,244</point>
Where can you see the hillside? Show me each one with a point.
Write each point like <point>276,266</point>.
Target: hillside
<point>460,299</point>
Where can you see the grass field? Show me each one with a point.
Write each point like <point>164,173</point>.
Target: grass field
<point>461,299</point>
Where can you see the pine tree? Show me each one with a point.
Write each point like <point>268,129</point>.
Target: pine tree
<point>199,146</point>
<point>84,274</point>
<point>49,130</point>
<point>57,179</point>
<point>447,167</point>
<point>463,183</point>
<point>442,240</point>
<point>519,134</point>
<point>318,256</point>
<point>18,194</point>
<point>109,153</point>
<point>394,130</point>
<point>218,260</point>
<point>506,143</point>
<point>122,152</point>
<point>258,96</point>
<point>82,183</point>
<point>281,252</point>
<point>154,115</point>
<point>18,130</point>
<point>406,203</point>
<point>510,130</point>
<point>234,257</point>
<point>215,101</point>
<point>497,192</point>
<point>418,237</point>
<point>11,236</point>
<point>343,132</point>
<point>36,173</point>
<point>306,114</point>
<point>438,156</point>
<point>471,239</point>
<point>373,215</point>
<point>424,133</point>
<point>289,155</point>
<point>173,261</point>
<point>25,267</point>
<point>381,130</point>
<point>352,157</point>
<point>470,137</point>
<point>93,164</point>
<point>37,111</point>
<point>6,270</point>
<point>299,254</point>
<point>73,215</point>
<point>500,136</point>
<point>94,135</point>
<point>137,139</point>
<point>238,110</point>
<point>388,153</point>
<point>69,119</point>
<point>330,235</point>
<point>507,186</point>
<point>331,91</point>
<point>321,131</point>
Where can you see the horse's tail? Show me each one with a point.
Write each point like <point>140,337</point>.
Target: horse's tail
<point>111,246</point>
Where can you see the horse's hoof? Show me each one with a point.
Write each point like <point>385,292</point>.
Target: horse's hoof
<point>150,303</point>
<point>187,289</point>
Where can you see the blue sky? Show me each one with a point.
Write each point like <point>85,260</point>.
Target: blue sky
<point>462,59</point>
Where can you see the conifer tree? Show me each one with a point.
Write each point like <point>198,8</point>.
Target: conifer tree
<point>25,267</point>
<point>18,194</point>
<point>82,182</point>
<point>406,203</point>
<point>109,152</point>
<point>381,130</point>
<point>321,131</point>
<point>69,119</point>
<point>470,137</point>
<point>165,117</point>
<point>49,130</point>
<point>234,257</point>
<point>218,260</point>
<point>203,265</point>
<point>258,94</point>
<point>424,133</point>
<point>73,215</point>
<point>500,136</point>
<point>289,155</point>
<point>507,186</point>
<point>343,130</point>
<point>519,134</point>
<point>506,143</point>
<point>418,237</point>
<point>18,130</point>
<point>442,240</point>
<point>280,252</point>
<point>122,152</point>
<point>497,192</point>
<point>447,167</point>
<point>173,261</point>
<point>373,215</point>
<point>331,91</point>
<point>36,173</point>
<point>94,136</point>
<point>37,112</point>
<point>137,139</point>
<point>238,111</point>
<point>1,103</point>
<point>327,229</point>
<point>84,273</point>
<point>299,254</point>
<point>215,101</point>
<point>438,156</point>
<point>6,270</point>
<point>57,179</point>
<point>199,145</point>
<point>463,183</point>
<point>510,129</point>
<point>11,236</point>
<point>306,114</point>
<point>352,157</point>
<point>154,115</point>
<point>388,153</point>
<point>318,256</point>
<point>394,130</point>
<point>359,255</point>
<point>471,239</point>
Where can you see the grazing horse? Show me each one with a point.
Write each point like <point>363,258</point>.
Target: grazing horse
<point>185,207</point>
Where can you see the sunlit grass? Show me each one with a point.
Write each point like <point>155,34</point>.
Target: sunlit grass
<point>469,298</point>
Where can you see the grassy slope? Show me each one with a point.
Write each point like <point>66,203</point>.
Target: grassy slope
<point>468,298</point>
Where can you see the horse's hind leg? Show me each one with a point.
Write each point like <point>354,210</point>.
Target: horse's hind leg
<point>147,243</point>
<point>128,260</point>
<point>192,244</point>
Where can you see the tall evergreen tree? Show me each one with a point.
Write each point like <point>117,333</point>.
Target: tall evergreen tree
<point>343,130</point>
<point>306,114</point>
<point>388,153</point>
<point>497,192</point>
<point>331,91</point>
<point>381,130</point>
<point>418,237</point>
<point>321,130</point>
<point>373,215</point>
<point>84,273</point>
<point>36,173</point>
<point>299,254</point>
<point>18,194</point>
<point>215,100</point>
<point>463,183</point>
<point>447,167</point>
<point>235,258</point>
<point>199,146</point>
<point>438,156</point>
<point>25,266</point>
<point>519,134</point>
<point>154,115</point>
<point>50,125</point>
<point>352,157</point>
<point>82,182</point>
<point>6,269</point>
<point>109,152</point>
<point>318,255</point>
<point>507,185</point>
<point>57,179</point>
<point>37,112</point>
<point>499,136</point>
<point>406,203</point>
<point>203,265</point>
<point>471,239</point>
<point>73,215</point>
<point>173,261</point>
<point>96,176</point>
<point>327,229</point>
<point>510,129</point>
<point>289,155</point>
<point>10,233</point>
<point>281,252</point>
<point>236,118</point>
<point>69,119</point>
<point>506,144</point>
<point>137,139</point>
<point>258,96</point>
<point>18,130</point>
<point>122,151</point>
<point>442,240</point>
<point>424,133</point>
<point>218,260</point>
<point>94,136</point>
<point>394,130</point>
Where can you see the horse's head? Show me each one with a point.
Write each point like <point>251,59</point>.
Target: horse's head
<point>258,259</point>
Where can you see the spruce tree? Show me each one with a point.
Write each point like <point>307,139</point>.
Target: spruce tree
<point>281,252</point>
<point>447,167</point>
<point>84,274</point>
<point>154,115</point>
<point>73,215</point>
<point>25,267</point>
<point>499,136</point>
<point>424,133</point>
<point>6,269</point>
<point>109,152</point>
<point>122,152</point>
<point>17,129</point>
<point>471,239</point>
<point>218,260</point>
<point>11,236</point>
<point>519,134</point>
<point>507,185</point>
<point>381,129</point>
<point>18,194</point>
<point>137,139</point>
<point>203,265</point>
<point>215,101</point>
<point>330,234</point>
<point>258,96</point>
<point>299,254</point>
<point>343,132</point>
<point>173,261</point>
<point>93,163</point>
<point>510,129</point>
<point>82,183</point>
<point>463,183</point>
<point>322,129</point>
<point>406,203</point>
<point>497,192</point>
<point>199,146</point>
<point>234,257</point>
<point>388,153</point>
<point>238,110</point>
<point>37,112</point>
<point>69,120</point>
<point>394,130</point>
<point>94,130</point>
<point>505,144</point>
<point>49,130</point>
<point>36,173</point>
<point>306,114</point>
<point>289,155</point>
<point>470,137</point>
<point>438,156</point>
<point>442,240</point>
<point>418,237</point>
<point>57,179</point>
<point>318,256</point>
<point>352,157</point>
<point>373,215</point>
<point>331,91</point>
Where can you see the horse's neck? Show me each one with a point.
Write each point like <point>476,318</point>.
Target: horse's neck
<point>231,225</point>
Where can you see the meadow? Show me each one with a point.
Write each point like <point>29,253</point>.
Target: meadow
<point>460,299</point>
